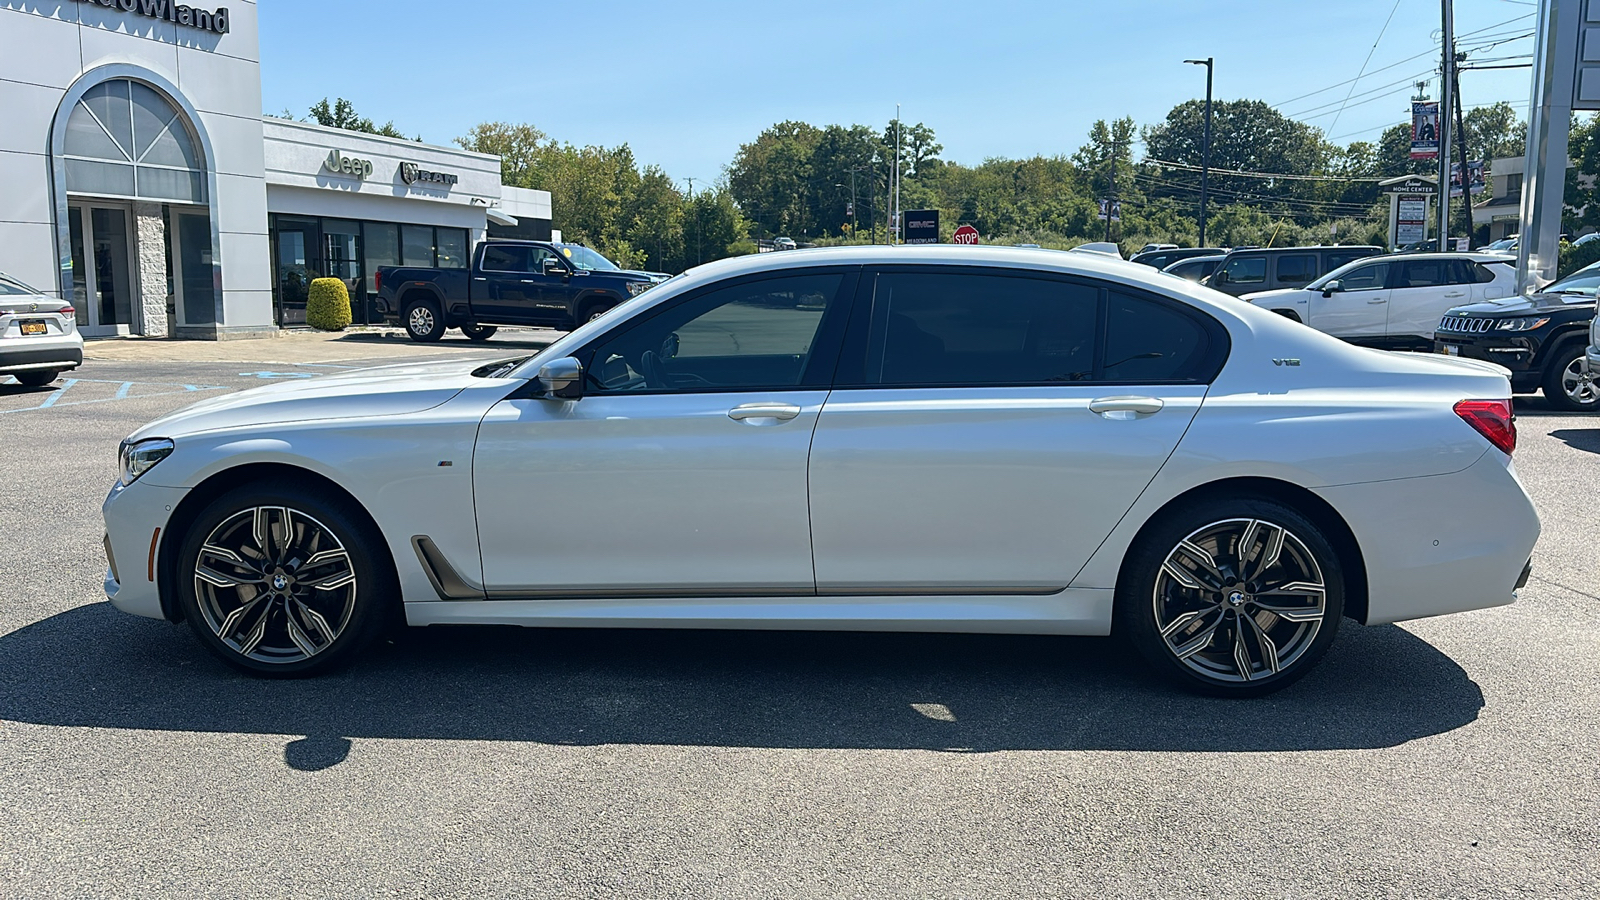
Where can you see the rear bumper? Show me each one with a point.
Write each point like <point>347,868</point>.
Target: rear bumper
<point>1441,544</point>
<point>58,354</point>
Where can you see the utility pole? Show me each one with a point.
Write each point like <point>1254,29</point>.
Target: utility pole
<point>1447,79</point>
<point>1111,196</point>
<point>1461,140</point>
<point>1205,154</point>
<point>898,237</point>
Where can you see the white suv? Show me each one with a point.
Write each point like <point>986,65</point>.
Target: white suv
<point>39,336</point>
<point>1393,301</point>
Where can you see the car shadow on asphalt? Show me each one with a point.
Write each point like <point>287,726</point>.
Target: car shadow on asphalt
<point>94,667</point>
<point>1586,439</point>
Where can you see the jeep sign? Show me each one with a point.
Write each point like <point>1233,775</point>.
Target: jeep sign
<point>340,164</point>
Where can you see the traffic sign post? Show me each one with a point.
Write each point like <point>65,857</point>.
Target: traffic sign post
<point>966,234</point>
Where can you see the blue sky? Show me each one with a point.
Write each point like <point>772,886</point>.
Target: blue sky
<point>684,83</point>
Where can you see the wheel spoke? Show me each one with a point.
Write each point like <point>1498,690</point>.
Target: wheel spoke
<point>1269,650</point>
<point>1198,641</point>
<point>314,622</point>
<point>1204,575</point>
<point>235,620</point>
<point>297,635</point>
<point>222,580</point>
<point>1271,548</point>
<point>1241,656</point>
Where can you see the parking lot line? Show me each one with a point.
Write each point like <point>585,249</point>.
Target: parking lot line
<point>124,391</point>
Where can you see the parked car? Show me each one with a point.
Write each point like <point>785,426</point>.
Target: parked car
<point>1272,268</point>
<point>933,438</point>
<point>1506,245</point>
<point>1393,302</point>
<point>784,243</point>
<point>509,283</point>
<point>1195,268</point>
<point>1541,338</point>
<point>1166,256</point>
<point>39,336</point>
<point>1149,247</point>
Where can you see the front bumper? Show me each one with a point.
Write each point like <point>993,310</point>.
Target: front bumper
<point>1519,354</point>
<point>136,517</point>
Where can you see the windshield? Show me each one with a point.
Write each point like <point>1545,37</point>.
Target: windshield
<point>10,287</point>
<point>587,259</point>
<point>1584,283</point>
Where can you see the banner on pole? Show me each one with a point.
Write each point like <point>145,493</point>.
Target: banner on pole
<point>1424,129</point>
<point>1475,177</point>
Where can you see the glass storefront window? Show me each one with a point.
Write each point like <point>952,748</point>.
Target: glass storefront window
<point>452,248</point>
<point>382,249</point>
<point>341,257</point>
<point>417,244</point>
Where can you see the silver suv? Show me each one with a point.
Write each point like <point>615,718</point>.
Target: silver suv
<point>39,336</point>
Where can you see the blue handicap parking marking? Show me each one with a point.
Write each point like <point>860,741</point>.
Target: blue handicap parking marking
<point>277,375</point>
<point>124,390</point>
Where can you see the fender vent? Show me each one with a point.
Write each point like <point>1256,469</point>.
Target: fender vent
<point>446,582</point>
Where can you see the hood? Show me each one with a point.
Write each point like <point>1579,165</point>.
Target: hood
<point>363,393</point>
<point>1521,306</point>
<point>656,277</point>
<point>1271,295</point>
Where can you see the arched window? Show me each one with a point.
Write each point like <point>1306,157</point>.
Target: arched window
<point>126,140</point>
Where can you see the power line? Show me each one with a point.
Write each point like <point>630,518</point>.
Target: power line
<point>1276,176</point>
<point>1363,70</point>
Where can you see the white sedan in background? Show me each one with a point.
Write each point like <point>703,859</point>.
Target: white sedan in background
<point>1396,301</point>
<point>39,336</point>
<point>970,439</point>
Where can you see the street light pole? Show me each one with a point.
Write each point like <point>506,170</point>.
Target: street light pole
<point>1205,154</point>
<point>1447,78</point>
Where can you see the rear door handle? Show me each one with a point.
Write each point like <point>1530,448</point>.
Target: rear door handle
<point>1125,407</point>
<point>763,413</point>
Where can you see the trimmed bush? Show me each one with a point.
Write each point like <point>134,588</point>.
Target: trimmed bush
<point>328,305</point>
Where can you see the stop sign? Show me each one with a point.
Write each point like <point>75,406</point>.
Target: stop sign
<point>966,234</point>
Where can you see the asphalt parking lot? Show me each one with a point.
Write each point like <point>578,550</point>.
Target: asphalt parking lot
<point>1450,757</point>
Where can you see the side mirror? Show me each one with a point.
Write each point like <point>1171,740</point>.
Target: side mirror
<point>1332,287</point>
<point>562,379</point>
<point>553,266</point>
<point>1219,277</point>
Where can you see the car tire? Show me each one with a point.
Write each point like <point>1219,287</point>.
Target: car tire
<point>36,377</point>
<point>1219,625</point>
<point>282,580</point>
<point>479,333</point>
<point>1568,385</point>
<point>594,310</point>
<point>424,321</point>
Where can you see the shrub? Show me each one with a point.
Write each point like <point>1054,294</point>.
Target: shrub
<point>328,305</point>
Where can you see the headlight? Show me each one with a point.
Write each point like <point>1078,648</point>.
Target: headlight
<point>139,457</point>
<point>1525,323</point>
<point>635,288</point>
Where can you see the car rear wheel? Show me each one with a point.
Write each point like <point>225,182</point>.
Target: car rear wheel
<point>281,581</point>
<point>424,322</point>
<point>36,377</point>
<point>1568,383</point>
<point>479,333</point>
<point>1237,597</point>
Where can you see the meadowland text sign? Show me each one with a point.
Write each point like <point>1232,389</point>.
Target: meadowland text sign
<point>215,21</point>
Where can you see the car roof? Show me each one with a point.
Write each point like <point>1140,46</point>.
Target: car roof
<point>1217,257</point>
<point>1308,248</point>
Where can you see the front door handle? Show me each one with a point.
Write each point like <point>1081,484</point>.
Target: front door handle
<point>763,413</point>
<point>1377,301</point>
<point>1124,408</point>
<point>1454,294</point>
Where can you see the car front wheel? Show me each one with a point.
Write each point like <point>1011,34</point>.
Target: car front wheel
<point>1568,383</point>
<point>1236,597</point>
<point>282,581</point>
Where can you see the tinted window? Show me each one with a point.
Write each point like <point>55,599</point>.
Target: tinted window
<point>758,334</point>
<point>1424,273</point>
<point>505,258</point>
<point>1250,270</point>
<point>967,329</point>
<point>1335,260</point>
<point>1148,341</point>
<point>1481,273</point>
<point>1366,278</point>
<point>539,256</point>
<point>1298,268</point>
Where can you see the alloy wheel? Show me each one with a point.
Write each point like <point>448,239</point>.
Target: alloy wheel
<point>1579,383</point>
<point>421,320</point>
<point>1240,600</point>
<point>275,585</point>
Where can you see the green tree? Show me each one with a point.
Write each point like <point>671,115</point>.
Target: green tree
<point>770,178</point>
<point>342,114</point>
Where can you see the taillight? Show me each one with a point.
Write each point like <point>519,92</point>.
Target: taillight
<point>1493,419</point>
<point>377,281</point>
<point>67,312</point>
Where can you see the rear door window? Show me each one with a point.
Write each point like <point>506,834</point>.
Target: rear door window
<point>1420,273</point>
<point>505,258</point>
<point>1297,268</point>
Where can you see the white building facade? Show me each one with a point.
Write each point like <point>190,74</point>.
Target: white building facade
<point>142,184</point>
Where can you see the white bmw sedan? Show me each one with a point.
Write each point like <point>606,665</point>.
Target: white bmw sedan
<point>919,439</point>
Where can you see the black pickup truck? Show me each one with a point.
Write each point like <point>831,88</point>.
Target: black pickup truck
<point>509,283</point>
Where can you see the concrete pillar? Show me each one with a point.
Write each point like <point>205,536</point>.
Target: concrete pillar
<point>150,241</point>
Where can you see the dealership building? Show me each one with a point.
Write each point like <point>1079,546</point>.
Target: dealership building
<point>142,185</point>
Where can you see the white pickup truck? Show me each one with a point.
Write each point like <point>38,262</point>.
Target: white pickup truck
<point>1393,301</point>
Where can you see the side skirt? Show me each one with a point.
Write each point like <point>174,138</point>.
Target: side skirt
<point>1074,611</point>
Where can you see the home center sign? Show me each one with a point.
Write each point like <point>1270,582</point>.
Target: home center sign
<point>215,22</point>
